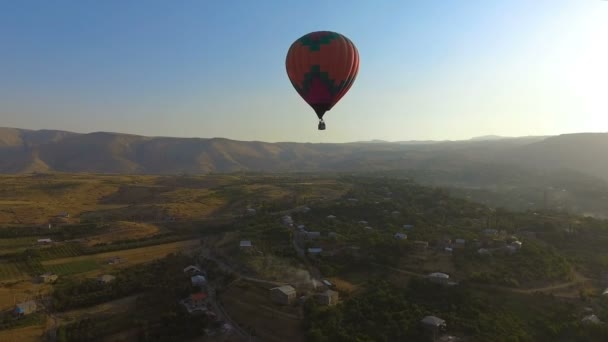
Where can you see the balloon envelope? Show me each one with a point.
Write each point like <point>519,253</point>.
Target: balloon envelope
<point>322,67</point>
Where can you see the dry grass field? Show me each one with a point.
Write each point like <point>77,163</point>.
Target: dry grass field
<point>123,230</point>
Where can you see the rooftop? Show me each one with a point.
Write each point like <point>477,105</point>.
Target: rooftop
<point>245,243</point>
<point>432,320</point>
<point>286,289</point>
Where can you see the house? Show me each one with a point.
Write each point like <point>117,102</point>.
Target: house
<point>198,280</point>
<point>198,298</point>
<point>516,244</point>
<point>591,319</point>
<point>605,292</point>
<point>439,278</point>
<point>245,244</point>
<point>47,277</point>
<point>484,251</point>
<point>459,243</point>
<point>328,297</point>
<point>327,283</point>
<point>396,213</point>
<point>448,250</point>
<point>193,270</point>
<point>400,236</point>
<point>285,294</point>
<point>106,279</point>
<point>305,209</point>
<point>433,325</point>
<point>302,227</point>
<point>25,308</point>
<point>251,211</point>
<point>353,200</point>
<point>287,220</point>
<point>44,241</point>
<point>315,251</point>
<point>368,228</point>
<point>408,226</point>
<point>331,217</point>
<point>364,223</point>
<point>421,246</point>
<point>312,235</point>
<point>115,260</point>
<point>490,232</point>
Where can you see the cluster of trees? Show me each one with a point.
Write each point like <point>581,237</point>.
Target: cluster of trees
<point>388,313</point>
<point>166,274</point>
<point>8,321</point>
<point>533,263</point>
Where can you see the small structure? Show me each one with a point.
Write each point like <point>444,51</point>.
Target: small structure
<point>195,302</point>
<point>591,319</point>
<point>433,325</point>
<point>483,251</point>
<point>368,228</point>
<point>331,217</point>
<point>301,227</point>
<point>198,280</point>
<point>421,246</point>
<point>312,235</point>
<point>490,232</point>
<point>328,297</point>
<point>44,241</point>
<point>245,244</point>
<point>516,244</point>
<point>251,211</point>
<point>459,243</point>
<point>192,270</point>
<point>63,214</point>
<point>332,235</point>
<point>408,226</point>
<point>400,236</point>
<point>115,260</point>
<point>395,213</point>
<point>353,200</point>
<point>439,278</point>
<point>287,220</point>
<point>327,283</point>
<point>315,250</point>
<point>448,250</point>
<point>364,223</point>
<point>284,295</point>
<point>605,292</point>
<point>106,279</point>
<point>25,308</point>
<point>305,209</point>
<point>48,277</point>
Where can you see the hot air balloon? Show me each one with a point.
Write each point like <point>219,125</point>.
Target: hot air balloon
<point>322,66</point>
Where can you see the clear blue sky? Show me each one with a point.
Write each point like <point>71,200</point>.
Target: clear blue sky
<point>449,69</point>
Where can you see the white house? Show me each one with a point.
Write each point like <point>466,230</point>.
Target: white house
<point>439,278</point>
<point>400,236</point>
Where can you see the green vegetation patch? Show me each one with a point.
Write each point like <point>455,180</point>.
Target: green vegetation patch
<point>68,268</point>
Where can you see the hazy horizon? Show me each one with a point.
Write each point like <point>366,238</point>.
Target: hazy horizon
<point>440,71</point>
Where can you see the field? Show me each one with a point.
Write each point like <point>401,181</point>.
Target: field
<point>250,306</point>
<point>12,271</point>
<point>27,334</point>
<point>15,245</point>
<point>122,230</point>
<point>130,256</point>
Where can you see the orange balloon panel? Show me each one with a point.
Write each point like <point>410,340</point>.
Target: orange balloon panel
<point>322,66</point>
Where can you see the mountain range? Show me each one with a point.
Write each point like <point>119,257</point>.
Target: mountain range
<point>25,151</point>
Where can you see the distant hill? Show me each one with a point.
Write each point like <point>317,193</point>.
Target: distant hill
<point>102,152</point>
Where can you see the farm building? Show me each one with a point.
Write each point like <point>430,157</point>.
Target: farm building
<point>283,294</point>
<point>439,278</point>
<point>106,279</point>
<point>198,280</point>
<point>400,236</point>
<point>193,270</point>
<point>328,297</point>
<point>25,308</point>
<point>47,277</point>
<point>44,241</point>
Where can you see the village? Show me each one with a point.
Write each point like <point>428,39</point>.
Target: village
<point>259,276</point>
